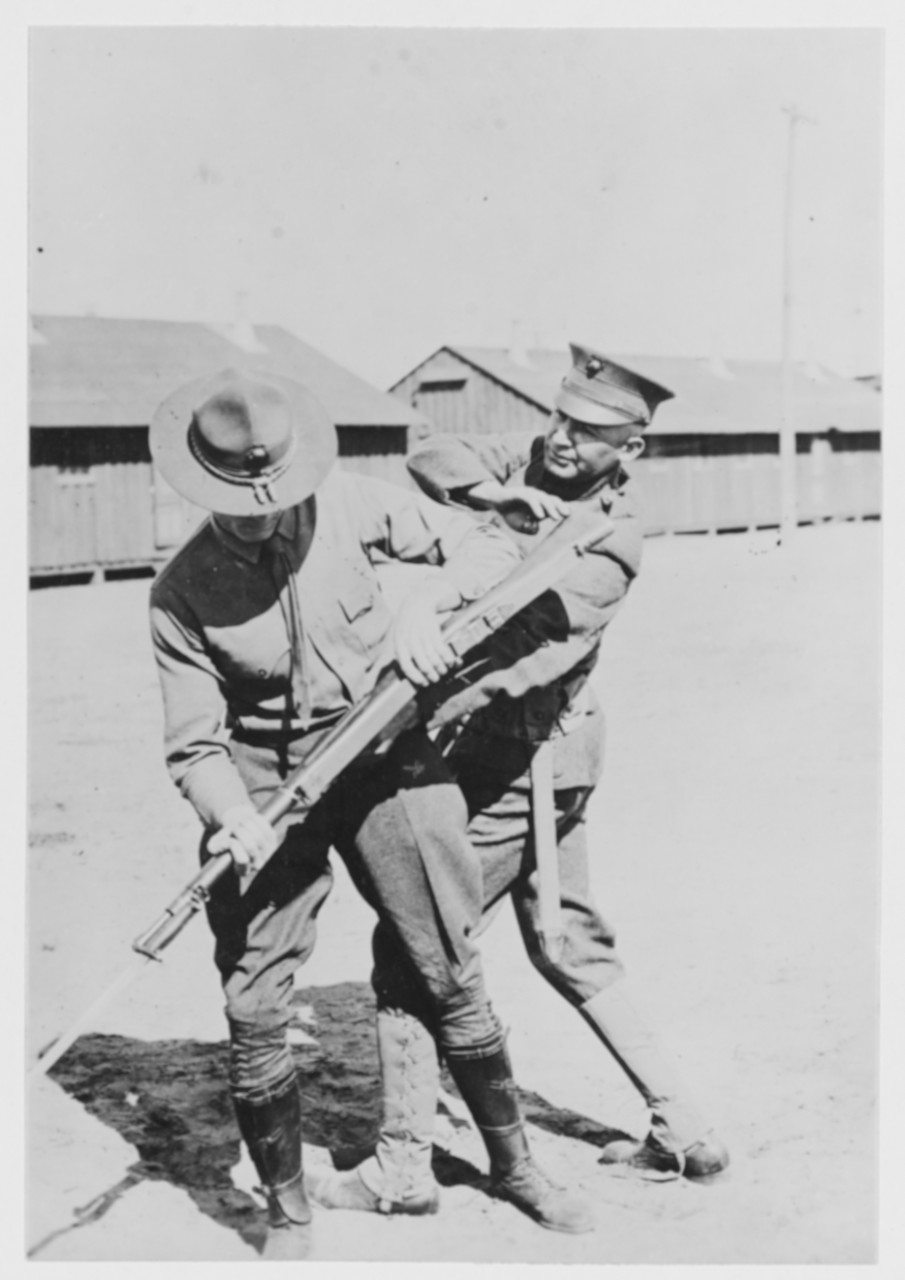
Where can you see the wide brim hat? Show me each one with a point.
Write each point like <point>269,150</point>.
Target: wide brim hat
<point>602,393</point>
<point>243,442</point>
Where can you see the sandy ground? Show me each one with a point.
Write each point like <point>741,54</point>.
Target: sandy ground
<point>735,846</point>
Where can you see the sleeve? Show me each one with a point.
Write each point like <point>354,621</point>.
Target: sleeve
<point>195,736</point>
<point>408,526</point>
<point>559,630</point>
<point>544,642</point>
<point>444,464</point>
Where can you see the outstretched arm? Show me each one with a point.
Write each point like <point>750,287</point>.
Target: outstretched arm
<point>552,638</point>
<point>476,471</point>
<point>469,559</point>
<point>197,743</point>
<point>446,466</point>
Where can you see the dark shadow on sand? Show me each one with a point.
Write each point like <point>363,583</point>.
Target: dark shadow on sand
<point>169,1099</point>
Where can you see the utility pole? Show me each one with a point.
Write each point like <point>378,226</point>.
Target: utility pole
<point>788,501</point>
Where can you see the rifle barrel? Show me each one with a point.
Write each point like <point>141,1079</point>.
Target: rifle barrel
<point>55,1050</point>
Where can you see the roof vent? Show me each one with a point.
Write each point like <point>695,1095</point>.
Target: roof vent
<point>240,331</point>
<point>443,377</point>
<point>718,367</point>
<point>242,335</point>
<point>518,352</point>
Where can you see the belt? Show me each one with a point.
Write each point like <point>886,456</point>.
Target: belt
<point>255,736</point>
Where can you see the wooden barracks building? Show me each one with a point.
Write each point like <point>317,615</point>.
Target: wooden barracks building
<point>712,456</point>
<point>97,505</point>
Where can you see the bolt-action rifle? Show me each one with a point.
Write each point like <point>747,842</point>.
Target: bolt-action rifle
<point>391,707</point>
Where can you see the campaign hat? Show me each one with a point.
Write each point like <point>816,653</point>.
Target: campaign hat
<point>602,393</point>
<point>242,442</point>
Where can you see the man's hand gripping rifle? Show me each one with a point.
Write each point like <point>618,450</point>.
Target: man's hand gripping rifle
<point>390,708</point>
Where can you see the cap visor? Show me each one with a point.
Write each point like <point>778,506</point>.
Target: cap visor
<point>589,411</point>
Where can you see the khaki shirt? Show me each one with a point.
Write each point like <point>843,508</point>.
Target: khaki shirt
<point>220,637</point>
<point>538,688</point>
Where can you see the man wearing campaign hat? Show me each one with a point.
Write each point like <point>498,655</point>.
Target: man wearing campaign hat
<point>268,625</point>
<point>534,725</point>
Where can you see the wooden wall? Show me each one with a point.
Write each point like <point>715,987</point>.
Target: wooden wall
<point>79,521</point>
<point>379,452</point>
<point>741,491</point>
<point>90,499</point>
<point>479,405</point>
<point>687,483</point>
<point>97,503</point>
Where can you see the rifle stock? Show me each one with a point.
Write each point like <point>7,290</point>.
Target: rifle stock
<point>390,707</point>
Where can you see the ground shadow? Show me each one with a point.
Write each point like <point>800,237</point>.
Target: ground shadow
<point>169,1100</point>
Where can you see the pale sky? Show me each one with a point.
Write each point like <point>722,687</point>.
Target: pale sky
<point>381,192</point>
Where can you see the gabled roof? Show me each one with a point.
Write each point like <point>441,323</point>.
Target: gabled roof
<point>738,396</point>
<point>88,371</point>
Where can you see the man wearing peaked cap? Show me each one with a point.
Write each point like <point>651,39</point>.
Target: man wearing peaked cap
<point>533,725</point>
<point>268,625</point>
<point>599,392</point>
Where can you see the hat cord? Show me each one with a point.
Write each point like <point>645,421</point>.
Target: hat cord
<point>263,492</point>
<point>282,575</point>
<point>262,481</point>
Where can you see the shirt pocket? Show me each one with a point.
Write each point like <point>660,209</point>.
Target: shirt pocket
<point>254,655</point>
<point>358,597</point>
<point>364,613</point>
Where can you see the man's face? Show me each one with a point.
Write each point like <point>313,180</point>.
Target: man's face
<point>250,528</point>
<point>576,450</point>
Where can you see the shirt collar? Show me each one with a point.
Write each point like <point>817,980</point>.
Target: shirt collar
<point>286,530</point>
<point>580,490</point>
